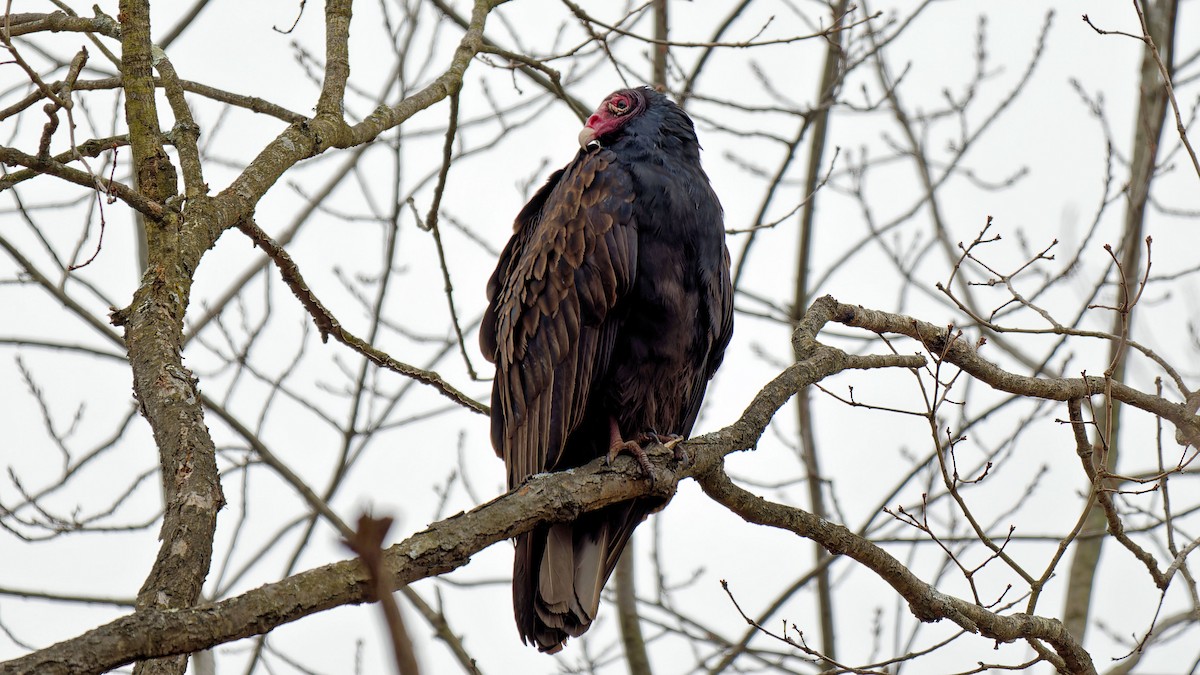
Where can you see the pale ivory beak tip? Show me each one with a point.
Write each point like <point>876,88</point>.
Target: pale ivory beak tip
<point>587,136</point>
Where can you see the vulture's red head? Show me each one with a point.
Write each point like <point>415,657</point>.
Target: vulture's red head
<point>614,113</point>
<point>639,124</point>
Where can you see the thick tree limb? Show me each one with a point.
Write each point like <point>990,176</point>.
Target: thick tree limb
<point>926,602</point>
<point>443,547</point>
<point>153,324</point>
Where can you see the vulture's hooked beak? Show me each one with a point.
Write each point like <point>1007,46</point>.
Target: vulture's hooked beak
<point>587,139</point>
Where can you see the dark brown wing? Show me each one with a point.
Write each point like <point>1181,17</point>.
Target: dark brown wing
<point>548,326</point>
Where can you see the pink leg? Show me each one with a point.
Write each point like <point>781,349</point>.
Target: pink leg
<point>617,445</point>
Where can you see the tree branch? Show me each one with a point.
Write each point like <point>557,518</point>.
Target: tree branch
<point>445,545</point>
<point>153,324</point>
<point>924,601</point>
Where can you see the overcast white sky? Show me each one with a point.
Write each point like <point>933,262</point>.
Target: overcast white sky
<point>1046,138</point>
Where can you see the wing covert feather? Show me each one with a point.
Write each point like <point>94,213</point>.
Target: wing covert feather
<point>550,325</point>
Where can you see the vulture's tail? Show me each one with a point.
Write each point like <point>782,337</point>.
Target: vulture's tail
<point>560,569</point>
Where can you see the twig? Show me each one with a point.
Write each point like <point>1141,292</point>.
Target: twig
<point>1146,38</point>
<point>431,224</point>
<point>328,325</point>
<point>752,42</point>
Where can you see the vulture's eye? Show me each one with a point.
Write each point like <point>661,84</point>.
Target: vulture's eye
<point>618,106</point>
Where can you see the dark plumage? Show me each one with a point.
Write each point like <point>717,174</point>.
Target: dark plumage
<point>608,312</point>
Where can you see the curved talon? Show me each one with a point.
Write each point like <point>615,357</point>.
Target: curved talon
<point>668,441</point>
<point>678,453</point>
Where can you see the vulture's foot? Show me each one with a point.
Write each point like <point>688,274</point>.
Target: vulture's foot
<point>618,445</point>
<point>668,441</point>
<point>632,448</point>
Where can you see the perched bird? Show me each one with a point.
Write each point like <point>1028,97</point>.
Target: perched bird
<point>609,311</point>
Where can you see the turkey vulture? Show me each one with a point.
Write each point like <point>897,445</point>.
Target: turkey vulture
<point>608,312</point>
